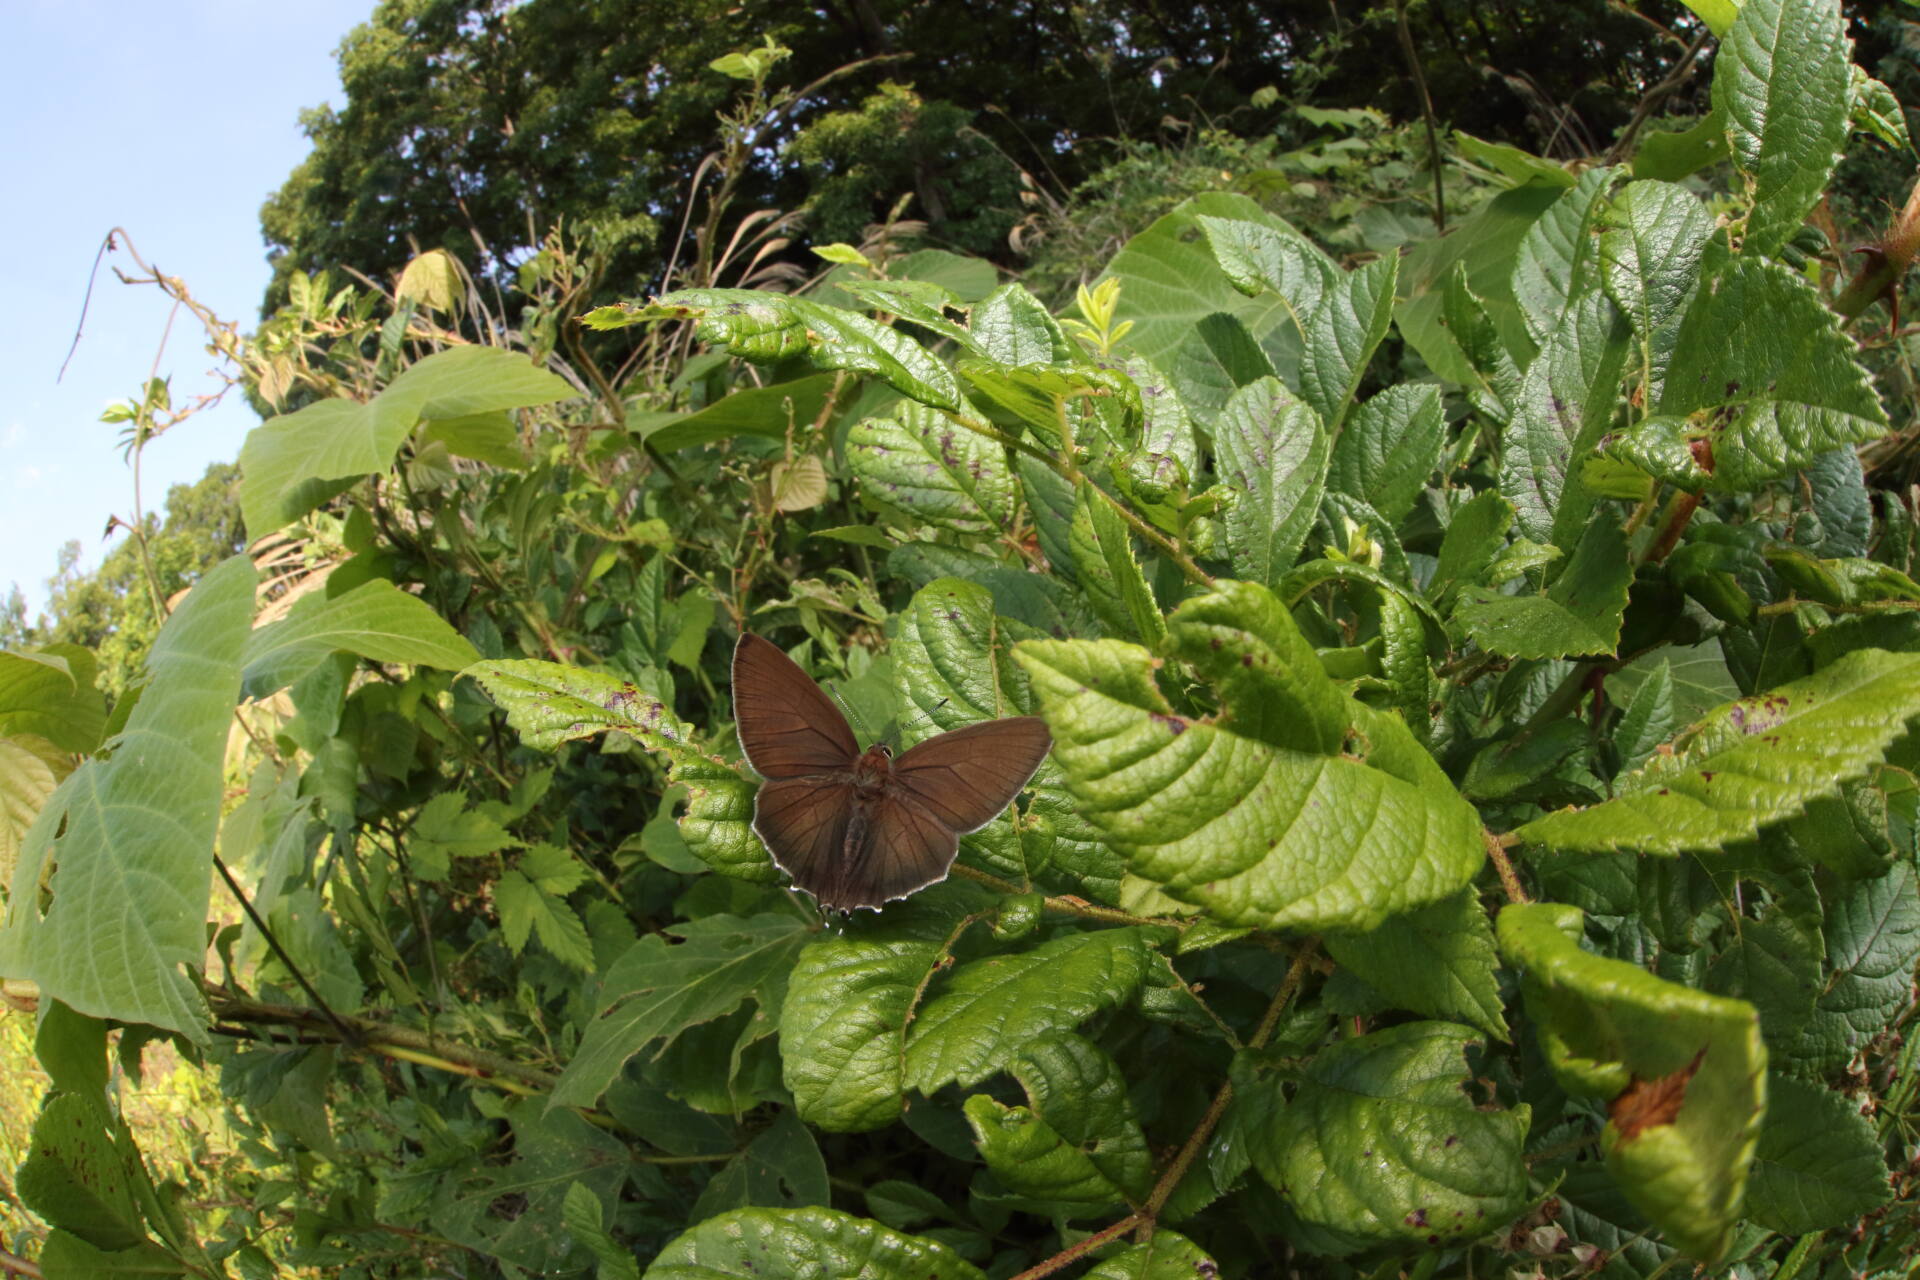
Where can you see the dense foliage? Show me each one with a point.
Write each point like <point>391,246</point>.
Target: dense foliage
<point>1480,834</point>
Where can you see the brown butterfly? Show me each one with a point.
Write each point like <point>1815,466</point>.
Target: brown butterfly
<point>857,829</point>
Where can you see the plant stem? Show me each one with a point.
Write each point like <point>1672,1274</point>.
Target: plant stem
<point>1503,867</point>
<point>1074,1252</point>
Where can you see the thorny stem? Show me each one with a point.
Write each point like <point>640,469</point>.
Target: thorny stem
<point>1503,867</point>
<point>382,1037</point>
<point>1074,1252</point>
<point>1163,1190</point>
<point>1066,902</point>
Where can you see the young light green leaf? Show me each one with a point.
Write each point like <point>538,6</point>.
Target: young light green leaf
<point>932,471</point>
<point>1273,453</point>
<point>1781,79</point>
<point>1579,614</point>
<point>291,463</point>
<point>1389,447</point>
<point>1342,336</point>
<point>1761,383</point>
<point>1437,961</point>
<point>128,837</point>
<point>1819,1164</point>
<point>1750,762</point>
<point>768,327</point>
<point>789,1244</point>
<point>376,620</point>
<point>656,990</point>
<point>1238,814</point>
<point>1685,1072</point>
<point>1381,1143</point>
<point>990,1008</point>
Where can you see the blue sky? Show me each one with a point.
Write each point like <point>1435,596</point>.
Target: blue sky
<point>173,119</point>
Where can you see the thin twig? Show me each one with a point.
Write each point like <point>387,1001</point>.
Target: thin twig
<point>1503,867</point>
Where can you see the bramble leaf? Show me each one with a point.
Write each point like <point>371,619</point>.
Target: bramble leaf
<point>1296,808</point>
<point>931,471</point>
<point>790,1244</point>
<point>1819,1163</point>
<point>1750,762</point>
<point>1685,1072</point>
<point>1274,455</point>
<point>1380,1141</point>
<point>1437,960</point>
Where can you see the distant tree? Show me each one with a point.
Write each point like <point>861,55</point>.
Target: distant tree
<point>111,609</point>
<point>485,122</point>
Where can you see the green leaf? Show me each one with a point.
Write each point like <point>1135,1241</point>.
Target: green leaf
<point>767,412</point>
<point>1474,259</point>
<point>376,620</point>
<point>1872,931</point>
<point>991,1008</point>
<point>1215,359</point>
<point>74,1178</point>
<point>485,437</point>
<point>1273,454</point>
<point>1109,572</point>
<point>447,827</point>
<point>1610,1029</point>
<point>525,907</point>
<point>1554,265</point>
<point>1389,447</point>
<point>843,1024</point>
<point>1671,157</point>
<point>1761,383</point>
<point>1750,762</point>
<point>49,693</point>
<point>780,1169</point>
<point>1819,1164</point>
<point>932,471</point>
<point>1380,1141</point>
<point>1266,815</point>
<point>129,837</point>
<point>548,703</point>
<point>287,462</point>
<point>1342,336</point>
<point>1511,162</point>
<point>1649,719</point>
<point>1781,80</point>
<point>1011,327</point>
<point>1472,543</point>
<point>1050,499</point>
<point>1080,1093</point>
<point>1437,961</point>
<point>769,327</point>
<point>31,768</point>
<point>656,990</point>
<point>1171,281</point>
<point>1579,614</point>
<point>1168,1256</point>
<point>1650,252</point>
<point>1565,404</point>
<point>1045,1172</point>
<point>798,1244</point>
<point>581,1214</point>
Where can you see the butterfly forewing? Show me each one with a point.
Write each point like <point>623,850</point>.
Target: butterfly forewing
<point>789,727</point>
<point>966,777</point>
